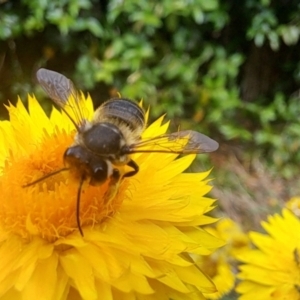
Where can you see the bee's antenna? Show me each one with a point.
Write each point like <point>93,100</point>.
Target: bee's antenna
<point>44,177</point>
<point>78,205</point>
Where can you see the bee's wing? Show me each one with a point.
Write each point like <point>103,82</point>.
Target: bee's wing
<point>181,142</point>
<point>61,89</point>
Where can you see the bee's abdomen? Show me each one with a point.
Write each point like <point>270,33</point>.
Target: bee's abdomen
<point>124,111</point>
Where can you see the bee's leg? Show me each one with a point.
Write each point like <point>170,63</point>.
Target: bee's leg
<point>135,168</point>
<point>115,177</point>
<point>113,186</point>
<point>115,181</point>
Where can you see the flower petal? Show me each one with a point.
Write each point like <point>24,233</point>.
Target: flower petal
<point>43,289</point>
<point>81,272</point>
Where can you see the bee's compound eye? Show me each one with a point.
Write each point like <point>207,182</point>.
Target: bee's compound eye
<point>77,153</point>
<point>99,170</point>
<point>78,159</point>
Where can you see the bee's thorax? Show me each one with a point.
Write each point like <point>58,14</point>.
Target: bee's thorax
<point>104,140</point>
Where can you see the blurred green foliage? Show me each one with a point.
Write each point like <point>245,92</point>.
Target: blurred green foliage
<point>230,68</point>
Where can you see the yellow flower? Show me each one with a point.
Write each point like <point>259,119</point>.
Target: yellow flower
<point>294,205</point>
<point>272,271</point>
<point>138,246</point>
<point>221,265</point>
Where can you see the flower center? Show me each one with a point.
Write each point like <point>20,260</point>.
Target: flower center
<point>48,208</point>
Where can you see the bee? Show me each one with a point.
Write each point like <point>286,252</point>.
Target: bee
<point>107,142</point>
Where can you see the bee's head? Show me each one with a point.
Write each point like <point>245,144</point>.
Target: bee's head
<point>86,165</point>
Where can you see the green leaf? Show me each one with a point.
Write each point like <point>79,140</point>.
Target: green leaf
<point>259,39</point>
<point>290,34</point>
